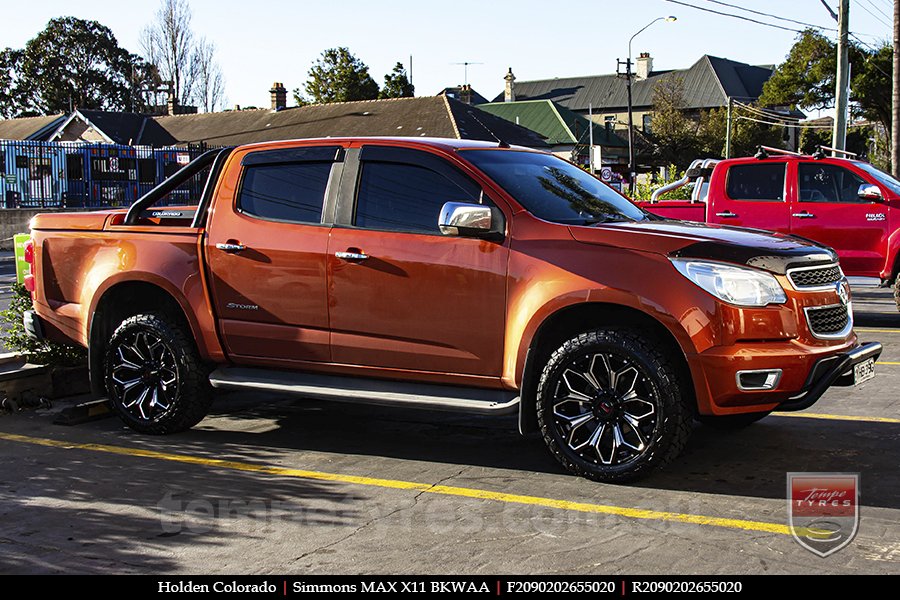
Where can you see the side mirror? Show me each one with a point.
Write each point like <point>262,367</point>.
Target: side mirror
<point>466,220</point>
<point>869,191</point>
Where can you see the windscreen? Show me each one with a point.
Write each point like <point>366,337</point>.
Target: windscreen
<point>553,189</point>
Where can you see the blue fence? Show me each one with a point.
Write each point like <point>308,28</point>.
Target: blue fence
<point>78,175</point>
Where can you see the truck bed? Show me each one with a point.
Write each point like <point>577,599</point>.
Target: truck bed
<point>683,210</point>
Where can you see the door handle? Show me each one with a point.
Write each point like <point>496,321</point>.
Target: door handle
<point>231,247</point>
<point>351,256</point>
<point>803,215</point>
<point>727,214</point>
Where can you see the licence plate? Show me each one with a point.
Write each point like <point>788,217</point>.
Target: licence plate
<point>864,371</point>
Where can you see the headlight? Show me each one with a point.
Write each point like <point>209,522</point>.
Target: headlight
<point>733,284</point>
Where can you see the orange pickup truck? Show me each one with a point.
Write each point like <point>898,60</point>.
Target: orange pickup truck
<point>444,274</point>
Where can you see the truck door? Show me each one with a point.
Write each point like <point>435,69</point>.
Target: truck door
<point>828,209</point>
<point>403,296</point>
<point>753,194</point>
<point>266,248</point>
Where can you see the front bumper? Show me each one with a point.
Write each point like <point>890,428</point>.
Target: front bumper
<point>835,370</point>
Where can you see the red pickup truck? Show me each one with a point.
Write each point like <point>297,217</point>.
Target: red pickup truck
<point>443,274</point>
<point>848,205</point>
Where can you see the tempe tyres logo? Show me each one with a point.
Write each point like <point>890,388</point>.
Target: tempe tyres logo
<point>823,510</point>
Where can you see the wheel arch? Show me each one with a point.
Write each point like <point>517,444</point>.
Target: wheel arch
<point>119,301</point>
<point>569,321</point>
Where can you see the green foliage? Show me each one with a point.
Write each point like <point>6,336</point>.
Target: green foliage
<point>806,77</point>
<point>674,133</point>
<point>40,352</point>
<point>338,76</point>
<point>745,135</point>
<point>644,189</point>
<point>71,61</point>
<point>396,84</point>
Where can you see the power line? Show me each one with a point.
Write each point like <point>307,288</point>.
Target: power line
<point>797,126</point>
<point>874,16</point>
<point>741,17</point>
<point>764,14</point>
<point>870,3</point>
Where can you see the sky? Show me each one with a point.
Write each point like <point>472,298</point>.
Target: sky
<point>263,41</point>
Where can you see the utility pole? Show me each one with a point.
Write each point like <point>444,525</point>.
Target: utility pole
<point>839,139</point>
<point>728,128</point>
<point>895,107</point>
<point>591,136</point>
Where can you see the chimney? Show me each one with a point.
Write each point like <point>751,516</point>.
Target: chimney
<point>644,66</point>
<point>171,103</point>
<point>509,92</point>
<point>278,95</point>
<point>465,93</point>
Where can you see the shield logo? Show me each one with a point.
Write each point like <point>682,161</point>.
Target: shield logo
<point>823,510</point>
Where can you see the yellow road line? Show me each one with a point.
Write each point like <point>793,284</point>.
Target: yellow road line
<point>875,330</point>
<point>887,362</point>
<point>445,490</point>
<point>802,415</point>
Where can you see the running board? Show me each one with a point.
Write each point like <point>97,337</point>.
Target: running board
<point>368,391</point>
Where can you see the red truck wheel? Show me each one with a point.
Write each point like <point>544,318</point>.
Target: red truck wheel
<point>897,291</point>
<point>610,406</point>
<point>154,376</point>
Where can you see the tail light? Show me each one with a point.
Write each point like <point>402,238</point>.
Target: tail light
<point>29,258</point>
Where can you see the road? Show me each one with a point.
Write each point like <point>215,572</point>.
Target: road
<point>268,484</point>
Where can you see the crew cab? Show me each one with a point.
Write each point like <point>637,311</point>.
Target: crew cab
<point>848,205</point>
<point>444,274</point>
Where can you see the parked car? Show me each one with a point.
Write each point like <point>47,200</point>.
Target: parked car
<point>848,205</point>
<point>444,274</point>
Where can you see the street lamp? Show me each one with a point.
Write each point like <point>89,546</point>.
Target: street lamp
<point>631,166</point>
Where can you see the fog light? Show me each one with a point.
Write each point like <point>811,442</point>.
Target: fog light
<point>758,380</point>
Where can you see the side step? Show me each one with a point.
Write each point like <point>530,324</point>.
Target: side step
<point>368,391</point>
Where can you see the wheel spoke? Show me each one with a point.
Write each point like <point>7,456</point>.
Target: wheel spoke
<point>638,408</point>
<point>635,429</point>
<point>159,396</point>
<point>601,372</point>
<point>571,379</point>
<point>125,362</point>
<point>144,375</point>
<point>613,446</point>
<point>627,379</point>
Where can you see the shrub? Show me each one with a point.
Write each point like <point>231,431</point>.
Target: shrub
<point>40,352</point>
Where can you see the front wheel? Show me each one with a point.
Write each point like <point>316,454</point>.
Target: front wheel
<point>897,291</point>
<point>154,376</point>
<point>610,406</point>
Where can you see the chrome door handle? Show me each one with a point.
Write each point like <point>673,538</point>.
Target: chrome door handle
<point>231,248</point>
<point>803,215</point>
<point>351,256</point>
<point>726,214</point>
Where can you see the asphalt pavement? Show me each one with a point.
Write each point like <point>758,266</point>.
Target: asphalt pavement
<point>269,484</point>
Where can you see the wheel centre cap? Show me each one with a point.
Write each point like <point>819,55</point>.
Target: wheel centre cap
<point>605,406</point>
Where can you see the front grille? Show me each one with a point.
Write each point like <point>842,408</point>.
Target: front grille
<point>829,321</point>
<point>805,278</point>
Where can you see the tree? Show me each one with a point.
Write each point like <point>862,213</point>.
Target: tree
<point>807,78</point>
<point>168,43</point>
<point>72,62</point>
<point>674,133</point>
<point>338,76</point>
<point>746,135</point>
<point>396,84</point>
<point>10,64</point>
<point>210,92</point>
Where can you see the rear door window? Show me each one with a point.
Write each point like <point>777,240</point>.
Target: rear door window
<point>291,192</point>
<point>756,182</point>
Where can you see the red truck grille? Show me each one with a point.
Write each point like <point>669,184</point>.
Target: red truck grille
<point>806,278</point>
<point>829,322</point>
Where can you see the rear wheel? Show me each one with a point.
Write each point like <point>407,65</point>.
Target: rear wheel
<point>154,376</point>
<point>610,406</point>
